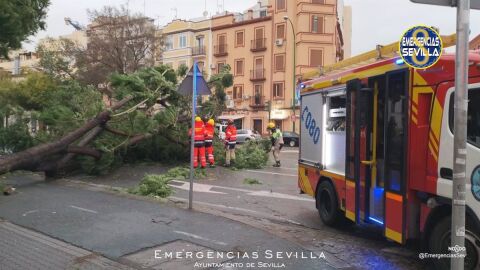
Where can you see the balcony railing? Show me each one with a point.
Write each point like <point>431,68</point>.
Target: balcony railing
<point>199,50</point>
<point>259,45</point>
<point>257,75</point>
<point>220,50</point>
<point>257,101</point>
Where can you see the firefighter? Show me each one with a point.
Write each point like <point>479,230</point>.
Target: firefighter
<point>199,143</point>
<point>276,137</point>
<point>210,132</point>
<point>230,142</point>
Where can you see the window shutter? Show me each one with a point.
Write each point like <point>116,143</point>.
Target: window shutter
<point>280,31</point>
<point>280,62</point>
<point>316,58</point>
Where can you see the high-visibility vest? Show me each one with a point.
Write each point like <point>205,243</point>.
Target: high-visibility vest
<point>209,133</point>
<point>231,134</point>
<point>199,135</point>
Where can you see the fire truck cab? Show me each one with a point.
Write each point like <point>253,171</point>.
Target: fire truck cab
<point>377,147</point>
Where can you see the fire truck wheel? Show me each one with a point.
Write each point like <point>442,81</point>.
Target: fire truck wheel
<point>439,242</point>
<point>327,204</point>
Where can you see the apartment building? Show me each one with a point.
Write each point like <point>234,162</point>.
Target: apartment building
<point>475,43</point>
<point>186,41</point>
<point>19,61</point>
<point>259,46</point>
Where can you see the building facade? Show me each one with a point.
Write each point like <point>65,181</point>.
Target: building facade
<point>186,41</point>
<point>259,46</point>
<point>475,43</point>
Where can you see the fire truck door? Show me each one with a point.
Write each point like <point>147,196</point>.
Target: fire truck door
<point>395,140</point>
<point>359,130</point>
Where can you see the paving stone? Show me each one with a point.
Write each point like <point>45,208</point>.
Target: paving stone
<point>24,249</point>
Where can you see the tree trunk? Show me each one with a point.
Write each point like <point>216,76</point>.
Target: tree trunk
<point>32,158</point>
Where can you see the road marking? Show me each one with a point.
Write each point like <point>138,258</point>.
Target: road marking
<point>289,151</point>
<point>196,187</point>
<point>84,209</point>
<point>200,238</point>
<point>29,212</point>
<point>264,193</point>
<point>260,193</point>
<point>272,173</point>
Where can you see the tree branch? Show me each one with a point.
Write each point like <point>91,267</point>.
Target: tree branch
<point>84,151</point>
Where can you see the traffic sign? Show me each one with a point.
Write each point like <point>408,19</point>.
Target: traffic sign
<point>474,4</point>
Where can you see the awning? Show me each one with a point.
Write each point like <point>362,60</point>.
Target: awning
<point>232,117</point>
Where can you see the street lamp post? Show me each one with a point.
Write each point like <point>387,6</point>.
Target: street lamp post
<point>294,66</point>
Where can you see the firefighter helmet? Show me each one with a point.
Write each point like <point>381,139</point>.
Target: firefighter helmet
<point>198,119</point>
<point>271,125</point>
<point>211,122</point>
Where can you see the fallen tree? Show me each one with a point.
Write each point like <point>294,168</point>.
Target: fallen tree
<point>148,122</point>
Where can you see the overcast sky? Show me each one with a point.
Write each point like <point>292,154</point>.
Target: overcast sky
<point>374,21</point>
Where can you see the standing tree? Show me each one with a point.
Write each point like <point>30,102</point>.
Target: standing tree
<point>20,19</point>
<point>118,42</point>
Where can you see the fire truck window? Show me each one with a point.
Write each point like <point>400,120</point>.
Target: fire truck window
<point>473,124</point>
<point>395,132</point>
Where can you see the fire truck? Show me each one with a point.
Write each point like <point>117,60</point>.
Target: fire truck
<point>376,146</point>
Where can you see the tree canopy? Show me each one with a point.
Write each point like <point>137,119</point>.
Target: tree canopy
<point>20,19</point>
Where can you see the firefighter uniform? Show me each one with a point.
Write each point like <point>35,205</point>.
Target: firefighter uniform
<point>230,142</point>
<point>199,143</point>
<point>277,142</point>
<point>210,132</point>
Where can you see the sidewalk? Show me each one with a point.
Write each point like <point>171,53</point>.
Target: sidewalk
<point>25,249</point>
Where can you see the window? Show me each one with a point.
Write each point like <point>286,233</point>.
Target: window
<point>281,5</point>
<point>316,58</point>
<point>280,62</point>
<point>182,41</point>
<point>278,90</point>
<point>258,125</point>
<point>263,13</point>
<point>238,92</point>
<point>317,24</point>
<point>169,43</point>
<point>238,67</point>
<point>239,39</point>
<point>280,31</point>
<point>318,2</point>
<point>279,124</point>
<point>396,130</point>
<point>473,119</point>
<point>220,66</point>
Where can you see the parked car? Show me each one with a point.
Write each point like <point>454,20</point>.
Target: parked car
<point>220,130</point>
<point>291,138</point>
<point>245,135</point>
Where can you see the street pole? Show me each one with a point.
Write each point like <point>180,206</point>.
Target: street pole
<point>460,132</point>
<point>192,139</point>
<point>294,66</point>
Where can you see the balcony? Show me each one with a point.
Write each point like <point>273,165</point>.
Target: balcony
<point>220,50</point>
<point>199,50</point>
<point>257,75</point>
<point>257,102</point>
<point>259,45</point>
